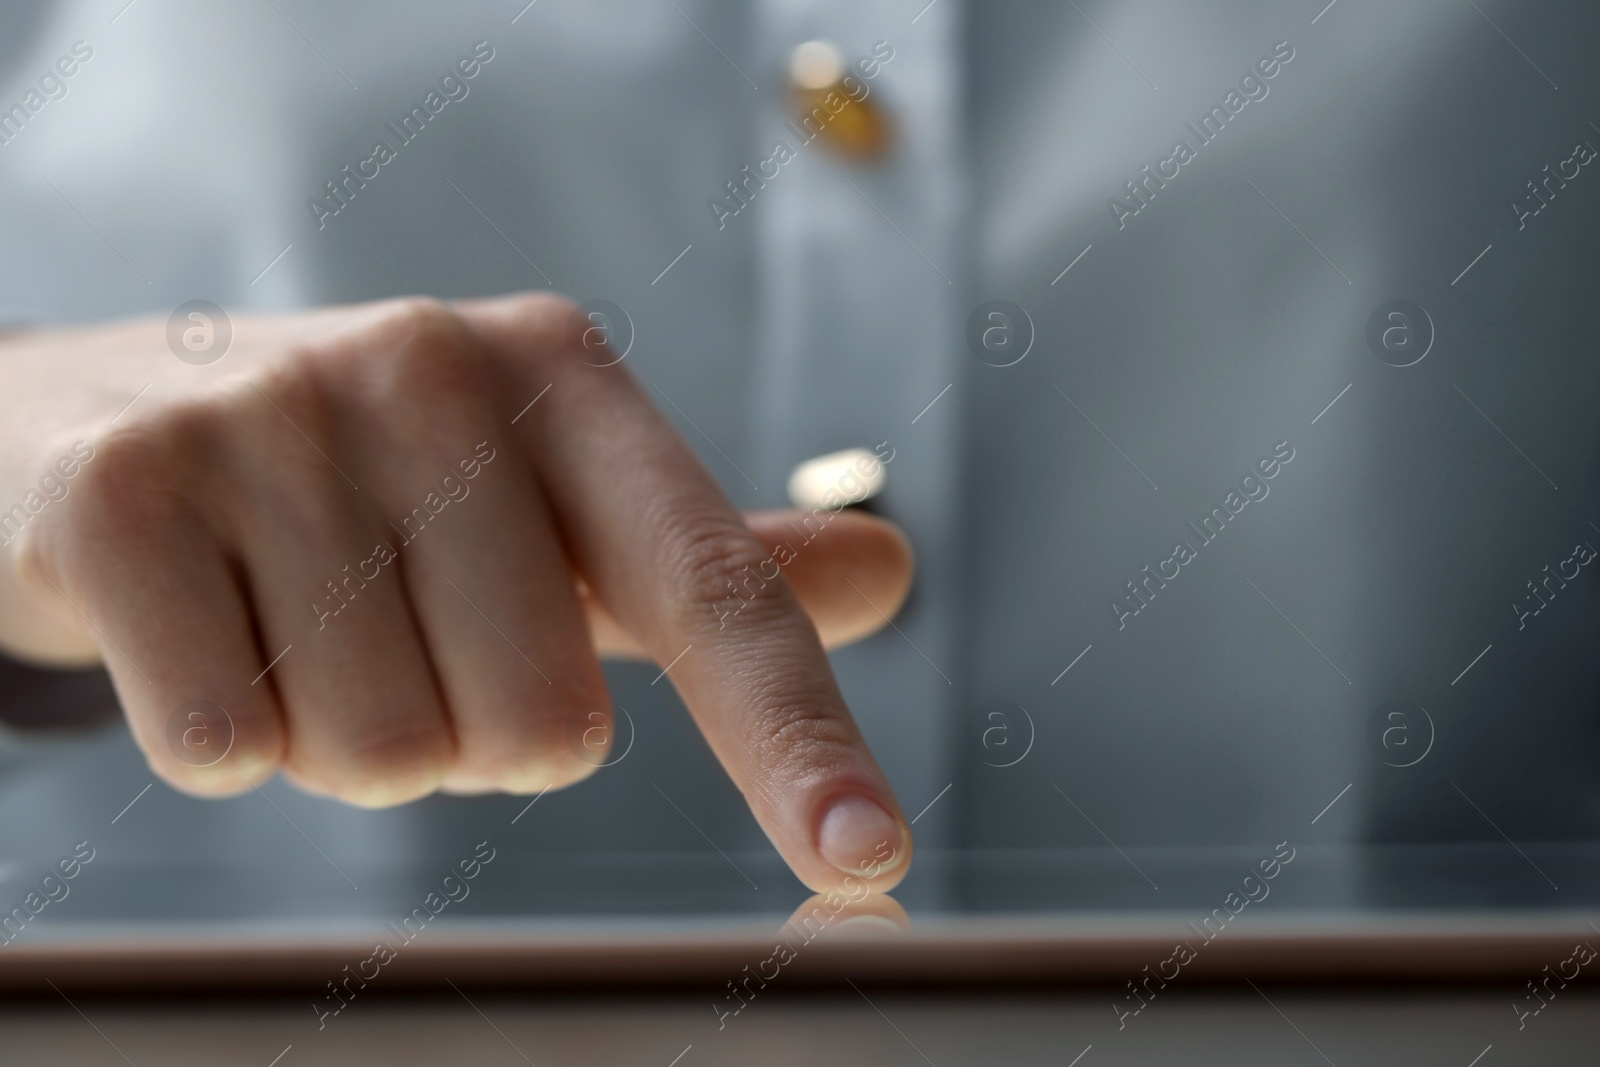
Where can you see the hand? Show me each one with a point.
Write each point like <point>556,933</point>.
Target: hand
<point>349,482</point>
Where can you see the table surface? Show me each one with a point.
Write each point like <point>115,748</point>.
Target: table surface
<point>1281,1026</point>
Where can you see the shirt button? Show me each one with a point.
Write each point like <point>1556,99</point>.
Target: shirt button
<point>837,480</point>
<point>835,106</point>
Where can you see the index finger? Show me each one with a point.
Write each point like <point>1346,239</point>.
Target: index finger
<point>664,550</point>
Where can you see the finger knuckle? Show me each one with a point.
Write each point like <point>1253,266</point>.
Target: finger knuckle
<point>552,738</point>
<point>134,478</point>
<point>383,769</point>
<point>708,559</point>
<point>286,458</point>
<point>199,784</point>
<point>294,400</point>
<point>797,734</point>
<point>428,371</point>
<point>432,351</point>
<point>249,762</point>
<point>546,320</point>
<point>555,334</point>
<point>415,317</point>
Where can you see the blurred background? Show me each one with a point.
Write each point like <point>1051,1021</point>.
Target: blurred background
<point>1336,669</point>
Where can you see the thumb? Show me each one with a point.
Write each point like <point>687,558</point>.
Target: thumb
<point>851,575</point>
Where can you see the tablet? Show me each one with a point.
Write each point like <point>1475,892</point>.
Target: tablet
<point>278,890</point>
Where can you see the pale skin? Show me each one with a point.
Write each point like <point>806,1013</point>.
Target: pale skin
<point>187,554</point>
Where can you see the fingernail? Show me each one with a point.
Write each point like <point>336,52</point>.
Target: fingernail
<point>858,836</point>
